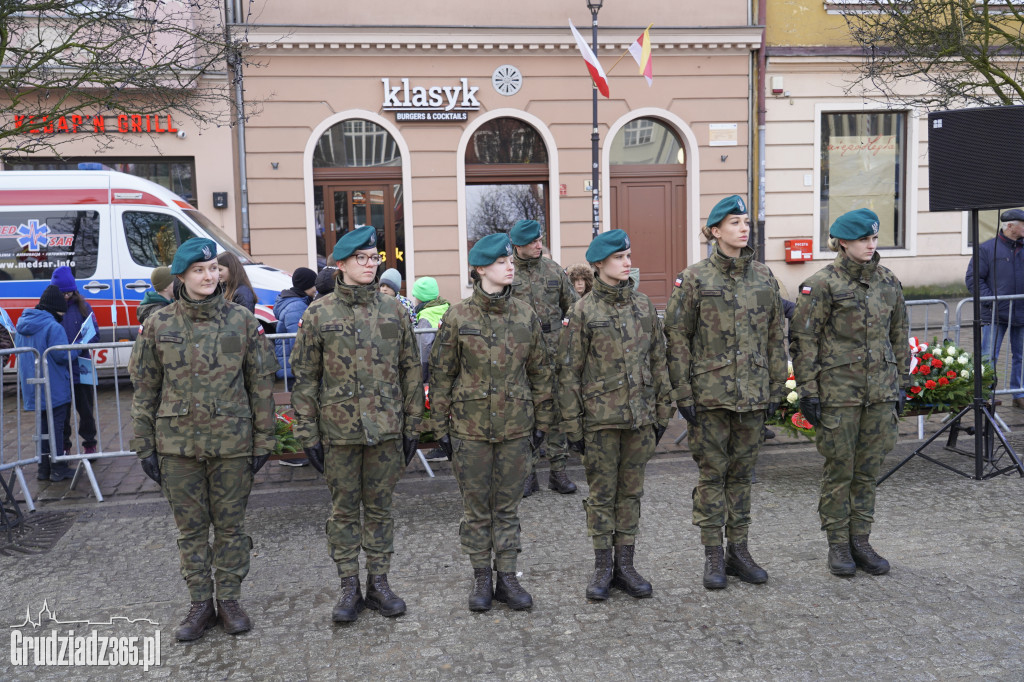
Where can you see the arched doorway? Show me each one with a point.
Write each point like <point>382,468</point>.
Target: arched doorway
<point>647,174</point>
<point>507,179</point>
<point>357,180</point>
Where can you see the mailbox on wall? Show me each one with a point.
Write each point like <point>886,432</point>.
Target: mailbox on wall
<point>799,250</point>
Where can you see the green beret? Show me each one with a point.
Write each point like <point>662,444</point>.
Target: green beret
<point>607,243</point>
<point>854,224</point>
<point>364,237</point>
<point>524,232</point>
<point>733,205</point>
<point>193,250</point>
<point>489,249</point>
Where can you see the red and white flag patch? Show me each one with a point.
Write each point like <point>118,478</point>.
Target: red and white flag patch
<point>805,290</point>
<point>679,282</point>
<point>259,330</point>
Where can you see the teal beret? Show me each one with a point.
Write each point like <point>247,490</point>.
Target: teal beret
<point>193,250</point>
<point>364,237</point>
<point>854,224</point>
<point>607,243</point>
<point>524,232</point>
<point>733,205</point>
<point>489,249</point>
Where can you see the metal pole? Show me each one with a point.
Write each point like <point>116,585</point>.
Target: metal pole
<point>979,400</point>
<point>594,192</point>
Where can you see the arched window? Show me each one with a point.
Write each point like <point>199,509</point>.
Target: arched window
<point>357,180</point>
<point>506,179</point>
<point>646,141</point>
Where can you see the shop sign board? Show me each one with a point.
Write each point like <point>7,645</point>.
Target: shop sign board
<point>429,103</point>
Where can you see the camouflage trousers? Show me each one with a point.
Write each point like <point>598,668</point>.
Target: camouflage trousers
<point>615,461</point>
<point>555,445</point>
<point>203,493</point>
<point>854,442</point>
<point>725,445</point>
<point>362,475</point>
<point>490,477</point>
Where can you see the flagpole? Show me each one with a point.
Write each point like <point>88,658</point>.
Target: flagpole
<point>595,6</point>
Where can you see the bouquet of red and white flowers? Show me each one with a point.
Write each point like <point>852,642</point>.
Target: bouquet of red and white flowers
<point>788,418</point>
<point>942,377</point>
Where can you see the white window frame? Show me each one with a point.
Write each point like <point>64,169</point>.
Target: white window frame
<point>911,189</point>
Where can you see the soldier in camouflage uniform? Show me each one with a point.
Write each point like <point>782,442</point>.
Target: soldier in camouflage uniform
<point>203,414</point>
<point>490,395</point>
<point>727,361</point>
<point>613,400</point>
<point>851,361</point>
<point>543,284</point>
<point>358,401</point>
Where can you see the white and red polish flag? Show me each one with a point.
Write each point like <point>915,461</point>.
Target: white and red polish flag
<point>594,66</point>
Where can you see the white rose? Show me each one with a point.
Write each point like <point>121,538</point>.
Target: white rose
<point>793,398</point>
<point>952,351</point>
<point>965,374</point>
<point>791,384</point>
<point>963,359</point>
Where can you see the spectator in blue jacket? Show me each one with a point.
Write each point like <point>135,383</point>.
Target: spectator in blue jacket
<point>78,312</point>
<point>40,328</point>
<point>1001,273</point>
<point>288,309</point>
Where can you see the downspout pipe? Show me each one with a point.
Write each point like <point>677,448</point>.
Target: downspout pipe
<point>232,13</point>
<point>762,108</point>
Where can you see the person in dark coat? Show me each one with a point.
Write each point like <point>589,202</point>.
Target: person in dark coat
<point>237,287</point>
<point>1001,273</point>
<point>78,312</point>
<point>161,295</point>
<point>288,309</point>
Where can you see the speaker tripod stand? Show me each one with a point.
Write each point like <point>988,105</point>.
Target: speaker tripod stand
<point>986,428</point>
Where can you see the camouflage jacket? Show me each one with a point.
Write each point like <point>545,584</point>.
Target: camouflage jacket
<point>612,357</point>
<point>357,370</point>
<point>545,287</point>
<point>490,377</point>
<point>849,334</point>
<point>204,380</point>
<point>726,345</point>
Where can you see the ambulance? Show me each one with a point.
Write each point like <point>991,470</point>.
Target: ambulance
<point>112,229</point>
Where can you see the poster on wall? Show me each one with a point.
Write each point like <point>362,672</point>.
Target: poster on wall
<point>862,174</point>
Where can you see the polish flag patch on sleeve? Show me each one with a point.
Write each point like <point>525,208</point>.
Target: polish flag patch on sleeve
<point>259,329</point>
<point>300,324</point>
<point>805,290</point>
<point>679,282</point>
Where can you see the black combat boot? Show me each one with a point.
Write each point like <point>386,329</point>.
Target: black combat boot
<point>201,617</point>
<point>530,485</point>
<point>351,603</point>
<point>739,563</point>
<point>379,596</point>
<point>839,560</point>
<point>626,577</point>
<point>560,483</point>
<point>483,590</point>
<point>866,558</point>
<point>714,567</point>
<point>233,617</point>
<point>601,583</point>
<point>509,591</point>
<point>43,471</point>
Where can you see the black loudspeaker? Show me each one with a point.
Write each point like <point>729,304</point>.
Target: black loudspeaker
<point>976,158</point>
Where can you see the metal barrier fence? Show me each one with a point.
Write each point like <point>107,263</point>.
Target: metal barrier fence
<point>922,318</point>
<point>1004,366</point>
<point>19,433</point>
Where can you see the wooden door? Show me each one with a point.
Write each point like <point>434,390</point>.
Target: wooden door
<point>650,204</point>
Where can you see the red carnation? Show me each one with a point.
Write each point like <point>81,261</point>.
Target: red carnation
<point>943,381</point>
<point>951,374</point>
<point>929,384</point>
<point>924,369</point>
<point>915,389</point>
<point>926,357</point>
<point>936,362</point>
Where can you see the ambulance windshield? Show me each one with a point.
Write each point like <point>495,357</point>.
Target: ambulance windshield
<point>219,236</point>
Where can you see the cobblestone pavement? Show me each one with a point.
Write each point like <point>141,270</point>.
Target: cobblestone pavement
<point>950,609</point>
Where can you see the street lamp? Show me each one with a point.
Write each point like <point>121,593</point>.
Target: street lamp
<point>594,6</point>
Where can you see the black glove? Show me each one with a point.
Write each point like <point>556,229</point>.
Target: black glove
<point>901,402</point>
<point>257,462</point>
<point>409,446</point>
<point>689,413</point>
<point>536,439</point>
<point>578,446</point>
<point>445,443</point>
<point>315,455</point>
<point>773,407</point>
<point>151,467</point>
<point>659,431</point>
<point>810,408</point>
